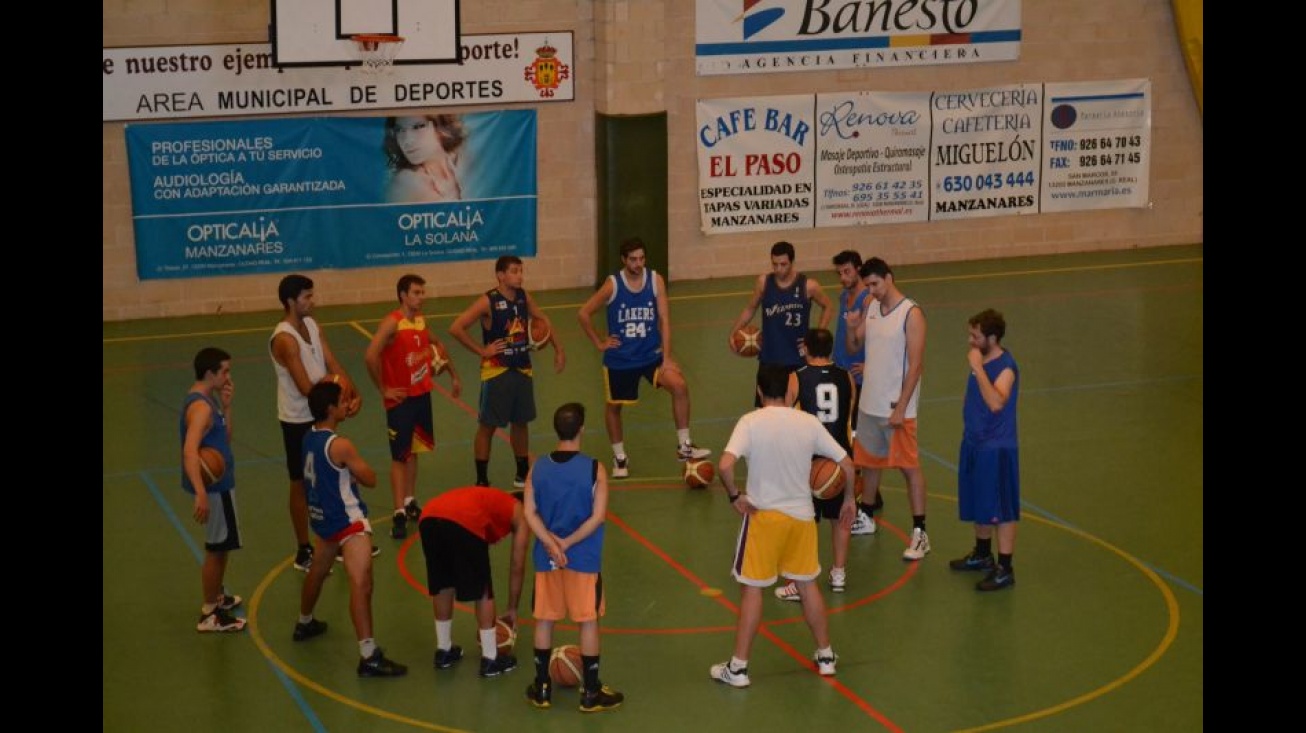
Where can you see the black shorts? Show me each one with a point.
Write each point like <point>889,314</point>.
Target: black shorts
<point>455,558</point>
<point>292,436</point>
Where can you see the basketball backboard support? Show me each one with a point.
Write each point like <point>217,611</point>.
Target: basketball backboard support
<point>318,32</point>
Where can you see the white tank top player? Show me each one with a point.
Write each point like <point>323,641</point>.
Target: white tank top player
<point>886,360</point>
<point>292,407</point>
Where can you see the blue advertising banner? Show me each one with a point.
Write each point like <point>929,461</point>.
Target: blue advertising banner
<point>231,198</point>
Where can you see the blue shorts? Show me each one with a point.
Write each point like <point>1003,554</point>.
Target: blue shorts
<point>988,484</point>
<point>622,385</point>
<point>410,427</point>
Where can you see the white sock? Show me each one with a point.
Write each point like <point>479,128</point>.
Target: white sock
<point>444,634</point>
<point>489,645</point>
<point>208,608</point>
<point>826,652</point>
<point>367,647</point>
<point>683,435</point>
<point>619,450</point>
<point>305,619</point>
<point>737,664</point>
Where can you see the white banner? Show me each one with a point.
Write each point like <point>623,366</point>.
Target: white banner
<point>873,164</point>
<point>755,163</point>
<point>755,36</point>
<point>1097,139</point>
<point>175,82</point>
<point>984,159</point>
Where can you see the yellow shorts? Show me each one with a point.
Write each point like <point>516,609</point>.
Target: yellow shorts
<point>875,432</point>
<point>773,544</point>
<point>562,593</point>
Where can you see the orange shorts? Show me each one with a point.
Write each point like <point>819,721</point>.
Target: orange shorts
<point>903,448</point>
<point>562,593</point>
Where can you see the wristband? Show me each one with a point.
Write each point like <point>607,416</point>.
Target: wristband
<point>735,498</point>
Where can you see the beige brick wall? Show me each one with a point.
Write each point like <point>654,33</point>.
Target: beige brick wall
<point>636,57</point>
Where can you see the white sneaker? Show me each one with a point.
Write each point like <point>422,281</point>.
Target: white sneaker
<point>691,452</point>
<point>864,523</point>
<point>733,677</point>
<point>918,547</point>
<point>825,665</point>
<point>621,467</point>
<point>838,579</point>
<point>788,592</point>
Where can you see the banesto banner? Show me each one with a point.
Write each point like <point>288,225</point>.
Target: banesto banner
<point>176,82</point>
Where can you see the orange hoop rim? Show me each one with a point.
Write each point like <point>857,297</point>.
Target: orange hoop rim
<point>377,38</point>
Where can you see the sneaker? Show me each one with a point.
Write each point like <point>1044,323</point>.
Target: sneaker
<point>313,628</point>
<point>604,698</point>
<point>825,665</point>
<point>838,579</point>
<point>340,554</point>
<point>620,467</point>
<point>691,452</point>
<point>230,602</point>
<point>446,658</point>
<point>864,523</point>
<point>997,579</point>
<point>733,677</point>
<point>220,620</point>
<point>788,592</point>
<point>304,558</point>
<point>399,526</point>
<point>411,510</point>
<point>378,666</point>
<point>519,482</point>
<point>486,484</point>
<point>540,694</point>
<point>918,547</point>
<point>498,665</point>
<point>972,562</point>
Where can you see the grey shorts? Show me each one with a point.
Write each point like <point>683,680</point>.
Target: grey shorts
<point>874,434</point>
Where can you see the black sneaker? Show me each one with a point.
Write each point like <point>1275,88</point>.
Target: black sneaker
<point>604,698</point>
<point>446,658</point>
<point>997,579</point>
<point>219,620</point>
<point>313,628</point>
<point>304,558</point>
<point>412,511</point>
<point>540,694</point>
<point>229,602</point>
<point>498,665</point>
<point>378,666</point>
<point>972,562</point>
<point>399,529</point>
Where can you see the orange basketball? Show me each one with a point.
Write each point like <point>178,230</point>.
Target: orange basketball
<point>212,465</point>
<point>505,636</point>
<point>699,474</point>
<point>826,478</point>
<point>747,341</point>
<point>353,400</point>
<point>565,668</point>
<point>540,331</point>
<point>439,359</point>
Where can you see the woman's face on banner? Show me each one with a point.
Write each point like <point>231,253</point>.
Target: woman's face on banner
<point>417,139</point>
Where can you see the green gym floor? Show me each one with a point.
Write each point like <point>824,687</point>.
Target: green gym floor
<point>1103,631</point>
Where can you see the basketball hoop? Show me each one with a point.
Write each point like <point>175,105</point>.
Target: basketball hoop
<point>377,51</point>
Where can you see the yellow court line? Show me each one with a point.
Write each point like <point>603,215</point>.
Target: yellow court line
<point>676,298</point>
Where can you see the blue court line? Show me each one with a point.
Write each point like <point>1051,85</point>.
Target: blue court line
<point>195,551</point>
<point>1025,505</point>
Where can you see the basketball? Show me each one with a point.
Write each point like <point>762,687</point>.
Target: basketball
<point>353,401</point>
<point>747,341</point>
<point>540,332</point>
<point>699,474</point>
<point>505,636</point>
<point>212,465</point>
<point>565,668</point>
<point>439,359</point>
<point>826,478</point>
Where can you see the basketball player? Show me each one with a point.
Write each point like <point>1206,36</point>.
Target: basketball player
<point>638,346</point>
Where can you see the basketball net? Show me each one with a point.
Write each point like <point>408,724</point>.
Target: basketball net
<point>377,52</point>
